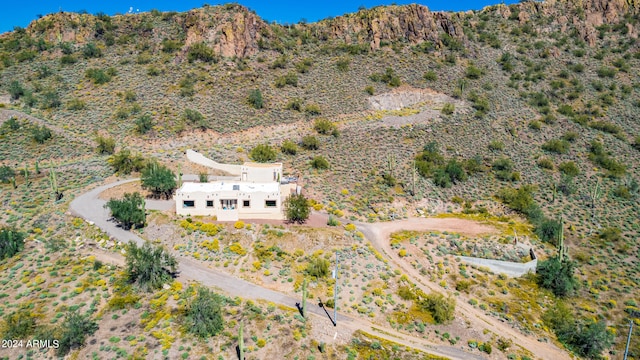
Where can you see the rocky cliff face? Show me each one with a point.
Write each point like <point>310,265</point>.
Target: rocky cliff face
<point>235,31</point>
<point>412,23</point>
<point>585,15</point>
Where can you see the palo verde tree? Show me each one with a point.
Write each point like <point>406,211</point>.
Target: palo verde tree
<point>106,145</point>
<point>159,179</point>
<point>123,162</point>
<point>129,211</point>
<point>11,242</point>
<point>556,274</point>
<point>296,208</point>
<point>6,173</point>
<point>585,336</point>
<point>263,153</point>
<point>203,315</point>
<point>149,266</point>
<point>74,331</point>
<point>255,99</point>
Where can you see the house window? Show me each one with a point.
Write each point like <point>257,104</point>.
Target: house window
<point>270,203</point>
<point>188,203</point>
<point>209,203</point>
<point>236,187</point>
<point>246,203</point>
<point>229,204</point>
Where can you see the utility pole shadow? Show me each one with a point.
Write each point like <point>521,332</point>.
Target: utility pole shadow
<point>321,305</point>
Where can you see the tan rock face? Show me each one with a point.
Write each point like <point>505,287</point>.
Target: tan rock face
<point>235,31</point>
<point>413,23</point>
<point>235,34</point>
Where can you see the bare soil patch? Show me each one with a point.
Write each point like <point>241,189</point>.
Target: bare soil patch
<point>118,192</point>
<point>462,226</point>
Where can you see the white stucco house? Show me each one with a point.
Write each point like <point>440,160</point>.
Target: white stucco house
<point>254,192</point>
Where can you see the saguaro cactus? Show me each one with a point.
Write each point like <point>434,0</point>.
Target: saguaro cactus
<point>561,249</point>
<point>304,298</point>
<point>53,181</point>
<point>26,176</point>
<point>241,342</point>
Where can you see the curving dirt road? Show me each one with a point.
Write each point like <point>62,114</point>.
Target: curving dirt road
<point>378,234</point>
<point>90,207</point>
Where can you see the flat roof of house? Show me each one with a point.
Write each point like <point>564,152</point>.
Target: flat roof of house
<point>242,186</point>
<point>262,165</point>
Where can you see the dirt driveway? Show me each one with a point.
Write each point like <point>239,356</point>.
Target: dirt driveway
<point>378,234</point>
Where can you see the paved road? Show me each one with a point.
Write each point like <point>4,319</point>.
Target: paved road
<point>91,208</point>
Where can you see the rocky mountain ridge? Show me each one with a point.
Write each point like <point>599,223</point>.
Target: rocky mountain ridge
<point>235,31</point>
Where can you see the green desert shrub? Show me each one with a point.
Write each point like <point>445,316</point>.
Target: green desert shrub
<point>289,147</point>
<point>203,314</point>
<point>201,52</point>
<point>255,99</point>
<point>76,104</point>
<point>263,153</point>
<point>448,109</point>
<point>150,267</point>
<point>324,126</point>
<point>106,145</point>
<point>296,208</point>
<point>545,163</point>
<point>74,331</point>
<point>144,124</point>
<point>569,168</point>
<point>430,76</point>
<point>389,77</point>
<point>11,242</point>
<point>41,134</point>
<point>91,50</point>
<point>441,308</point>
<point>123,162</point>
<point>319,162</point>
<point>6,174</point>
<point>310,142</point>
<point>312,109</point>
<point>558,146</point>
<point>294,104</point>
<point>170,46</point>
<point>128,211</point>
<point>473,72</point>
<point>318,267</point>
<point>195,118</point>
<point>97,76</point>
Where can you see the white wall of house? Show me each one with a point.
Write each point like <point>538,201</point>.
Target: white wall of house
<point>257,172</point>
<point>230,201</point>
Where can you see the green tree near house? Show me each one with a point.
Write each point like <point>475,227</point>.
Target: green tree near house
<point>296,208</point>
<point>263,153</point>
<point>149,266</point>
<point>128,211</point>
<point>159,179</point>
